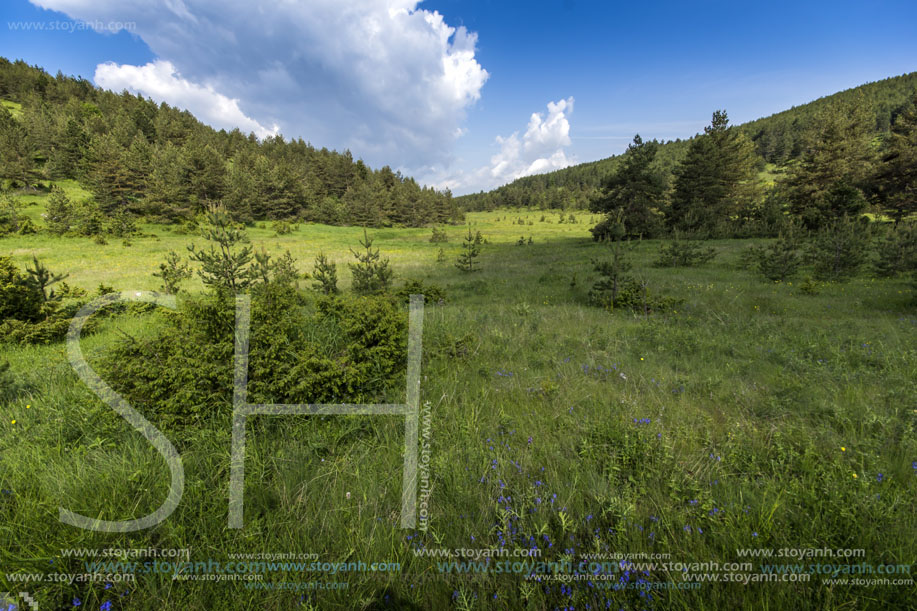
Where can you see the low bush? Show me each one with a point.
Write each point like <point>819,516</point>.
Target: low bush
<point>326,349</point>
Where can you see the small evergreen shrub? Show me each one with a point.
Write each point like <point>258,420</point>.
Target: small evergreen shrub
<point>839,249</point>
<point>684,253</point>
<point>896,251</point>
<point>173,272</point>
<point>432,293</point>
<point>471,250</point>
<point>329,349</point>
<point>325,275</point>
<point>371,273</point>
<point>439,235</point>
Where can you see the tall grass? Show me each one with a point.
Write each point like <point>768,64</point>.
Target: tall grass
<point>753,416</point>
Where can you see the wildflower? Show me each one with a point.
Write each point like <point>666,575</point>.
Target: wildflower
<point>754,534</point>
<point>855,476</point>
<point>347,496</point>
<point>879,477</point>
<point>28,407</point>
<point>843,449</point>
<point>106,606</point>
<point>12,422</point>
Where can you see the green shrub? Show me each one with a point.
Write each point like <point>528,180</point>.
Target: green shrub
<point>439,235</point>
<point>471,250</point>
<point>371,273</point>
<point>122,225</point>
<point>333,349</point>
<point>282,227</point>
<point>326,275</point>
<point>431,292</point>
<point>896,251</point>
<point>172,273</point>
<point>684,253</point>
<point>839,249</point>
<point>780,260</point>
<point>19,298</point>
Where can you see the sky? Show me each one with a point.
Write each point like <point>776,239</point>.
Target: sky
<point>467,94</point>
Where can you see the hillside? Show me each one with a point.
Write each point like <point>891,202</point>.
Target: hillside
<point>141,158</point>
<point>778,140</point>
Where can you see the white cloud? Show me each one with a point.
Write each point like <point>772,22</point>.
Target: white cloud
<point>539,150</point>
<point>386,79</point>
<point>160,81</point>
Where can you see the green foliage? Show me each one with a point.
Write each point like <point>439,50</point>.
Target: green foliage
<point>11,217</point>
<point>42,278</point>
<point>156,160</point>
<point>716,181</point>
<point>173,272</point>
<point>839,249</point>
<point>825,184</point>
<point>371,273</point>
<point>684,253</point>
<point>636,190</point>
<point>122,224</point>
<point>226,271</point>
<point>779,261</point>
<point>20,299</point>
<point>325,275</point>
<point>471,250</point>
<point>894,183</point>
<point>613,273</point>
<point>334,350</point>
<point>282,227</point>
<point>432,293</point>
<point>59,212</point>
<point>439,235</point>
<point>441,256</point>
<point>897,251</point>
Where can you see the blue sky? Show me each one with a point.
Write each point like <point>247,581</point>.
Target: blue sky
<point>446,90</point>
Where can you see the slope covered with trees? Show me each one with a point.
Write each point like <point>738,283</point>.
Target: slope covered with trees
<point>779,143</point>
<point>142,158</point>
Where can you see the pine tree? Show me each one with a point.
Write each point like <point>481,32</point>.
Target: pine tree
<point>371,273</point>
<point>895,179</point>
<point>326,275</point>
<point>172,273</point>
<point>635,189</point>
<point>17,163</point>
<point>59,212</point>
<point>471,250</point>
<point>826,183</point>
<point>717,179</point>
<point>228,270</point>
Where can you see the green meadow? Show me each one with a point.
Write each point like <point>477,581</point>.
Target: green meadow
<point>750,416</point>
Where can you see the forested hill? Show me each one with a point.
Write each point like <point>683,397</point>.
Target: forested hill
<point>778,140</point>
<point>149,159</point>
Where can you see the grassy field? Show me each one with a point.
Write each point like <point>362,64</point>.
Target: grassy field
<point>754,416</point>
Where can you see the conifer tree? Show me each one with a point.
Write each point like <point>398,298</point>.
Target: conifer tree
<point>635,189</point>
<point>471,249</point>
<point>371,273</point>
<point>717,180</point>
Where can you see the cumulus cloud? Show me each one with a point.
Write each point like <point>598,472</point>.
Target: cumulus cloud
<point>160,81</point>
<point>540,149</point>
<point>386,79</point>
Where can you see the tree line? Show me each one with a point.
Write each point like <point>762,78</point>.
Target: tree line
<point>143,158</point>
<point>848,152</point>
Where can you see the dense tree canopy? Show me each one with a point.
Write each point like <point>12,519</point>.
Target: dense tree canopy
<point>155,160</point>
